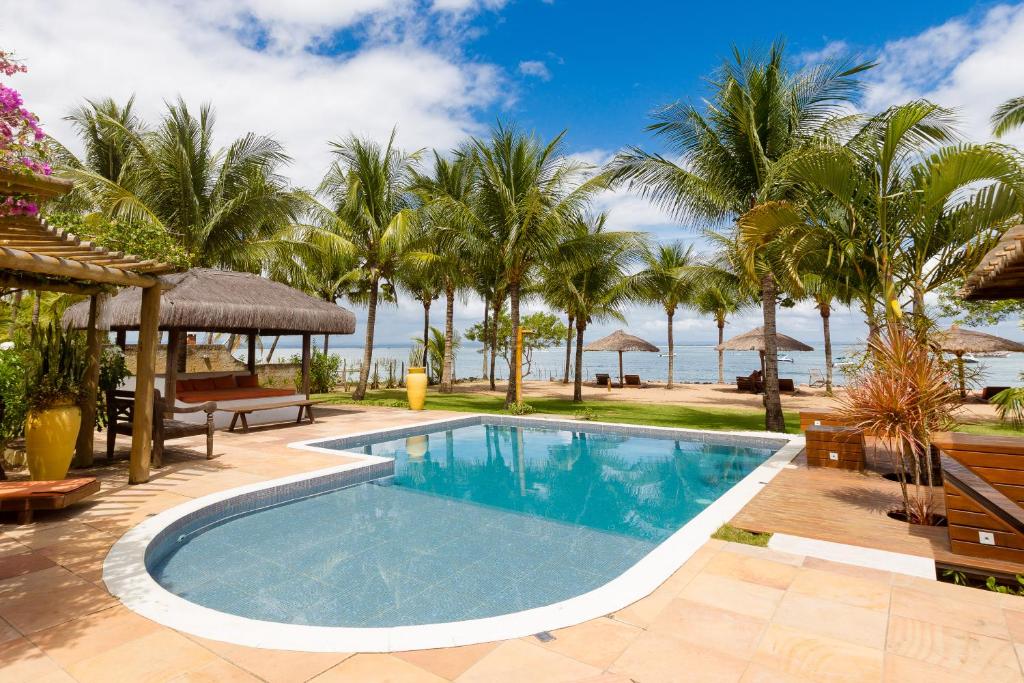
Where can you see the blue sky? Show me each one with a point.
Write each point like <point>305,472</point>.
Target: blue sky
<point>309,71</point>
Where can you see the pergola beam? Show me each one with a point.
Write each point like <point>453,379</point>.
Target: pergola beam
<point>24,261</point>
<point>142,415</point>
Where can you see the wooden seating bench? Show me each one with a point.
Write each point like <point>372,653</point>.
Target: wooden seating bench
<point>305,406</point>
<point>25,497</point>
<point>121,405</point>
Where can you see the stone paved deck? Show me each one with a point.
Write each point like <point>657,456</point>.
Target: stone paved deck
<point>731,613</point>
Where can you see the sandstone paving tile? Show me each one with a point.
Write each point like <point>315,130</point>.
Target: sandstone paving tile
<point>218,671</point>
<point>35,612</point>
<point>21,661</point>
<point>645,610</point>
<point>11,546</point>
<point>658,658</point>
<point>811,655</point>
<point>977,618</point>
<point>848,569</point>
<point>850,590</point>
<point>900,669</point>
<point>376,667</point>
<point>598,642</point>
<point>1015,625</point>
<point>752,569</point>
<point>81,638</point>
<point>515,660</point>
<point>16,564</point>
<point>759,552</point>
<point>759,673</point>
<point>729,632</point>
<point>743,597</point>
<point>449,662</point>
<point>857,625</point>
<point>40,582</point>
<point>275,666</point>
<point>968,653</point>
<point>158,656</point>
<point>941,590</point>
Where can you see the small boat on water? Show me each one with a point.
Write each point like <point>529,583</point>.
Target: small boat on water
<point>969,358</point>
<point>992,354</point>
<point>843,362</point>
<point>783,358</point>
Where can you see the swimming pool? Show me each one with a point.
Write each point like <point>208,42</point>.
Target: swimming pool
<point>504,523</point>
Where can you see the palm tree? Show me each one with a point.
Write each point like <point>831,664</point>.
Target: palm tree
<point>591,267</point>
<point>449,222</point>
<point>824,288</point>
<point>417,279</point>
<point>668,280</point>
<point>1008,116</point>
<point>719,293</point>
<point>759,113</point>
<point>368,204</point>
<point>526,194</point>
<point>227,207</point>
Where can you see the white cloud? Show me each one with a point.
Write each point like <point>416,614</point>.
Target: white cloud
<point>971,64</point>
<point>833,49</point>
<point>80,49</point>
<point>535,68</point>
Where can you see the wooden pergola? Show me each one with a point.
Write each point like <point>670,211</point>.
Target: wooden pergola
<point>36,256</point>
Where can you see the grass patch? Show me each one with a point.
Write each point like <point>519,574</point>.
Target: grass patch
<point>727,419</point>
<point>728,532</point>
<point>990,429</point>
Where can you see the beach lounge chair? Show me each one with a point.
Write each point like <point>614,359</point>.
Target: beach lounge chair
<point>633,381</point>
<point>749,383</point>
<point>786,384</point>
<point>121,405</point>
<point>988,392</point>
<point>25,497</point>
<point>816,379</point>
<point>602,379</point>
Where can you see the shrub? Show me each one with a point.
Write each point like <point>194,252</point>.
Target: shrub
<point>113,371</point>
<point>12,394</point>
<point>585,414</point>
<point>55,361</point>
<point>324,372</point>
<point>520,408</point>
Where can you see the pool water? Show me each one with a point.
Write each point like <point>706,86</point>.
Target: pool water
<point>477,521</point>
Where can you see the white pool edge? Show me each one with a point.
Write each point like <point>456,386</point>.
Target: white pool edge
<point>126,576</point>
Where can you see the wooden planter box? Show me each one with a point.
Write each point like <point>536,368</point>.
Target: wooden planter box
<point>835,446</point>
<point>819,418</point>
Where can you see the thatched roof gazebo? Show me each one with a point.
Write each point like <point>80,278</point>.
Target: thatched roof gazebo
<point>1000,275</point>
<point>36,256</point>
<point>621,342</point>
<point>209,300</point>
<point>959,341</point>
<point>754,341</point>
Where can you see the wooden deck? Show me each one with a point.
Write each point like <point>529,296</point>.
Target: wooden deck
<point>850,507</point>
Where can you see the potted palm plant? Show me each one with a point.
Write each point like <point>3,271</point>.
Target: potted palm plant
<point>55,361</point>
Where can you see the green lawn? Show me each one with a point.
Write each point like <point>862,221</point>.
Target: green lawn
<point>603,411</point>
<point>619,411</point>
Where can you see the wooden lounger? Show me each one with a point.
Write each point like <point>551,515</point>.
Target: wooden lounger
<point>602,379</point>
<point>25,497</point>
<point>633,381</point>
<point>304,405</point>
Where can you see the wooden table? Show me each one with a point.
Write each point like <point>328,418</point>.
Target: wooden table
<point>305,406</point>
<point>25,497</point>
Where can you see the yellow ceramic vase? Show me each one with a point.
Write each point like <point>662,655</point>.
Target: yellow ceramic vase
<point>50,437</point>
<point>416,388</point>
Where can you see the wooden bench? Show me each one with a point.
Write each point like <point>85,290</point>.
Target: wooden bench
<point>305,406</point>
<point>25,497</point>
<point>120,409</point>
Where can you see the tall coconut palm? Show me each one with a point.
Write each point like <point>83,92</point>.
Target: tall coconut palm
<point>447,193</point>
<point>825,289</point>
<point>526,194</point>
<point>227,207</point>
<point>729,154</point>
<point>667,279</point>
<point>720,294</point>
<point>368,203</point>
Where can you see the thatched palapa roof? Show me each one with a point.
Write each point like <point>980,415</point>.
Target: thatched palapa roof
<point>957,340</point>
<point>620,341</point>
<point>754,341</point>
<point>207,300</point>
<point>1000,275</point>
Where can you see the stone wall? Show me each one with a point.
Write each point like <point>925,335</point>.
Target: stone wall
<point>215,358</point>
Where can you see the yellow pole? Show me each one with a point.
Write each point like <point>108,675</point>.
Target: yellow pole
<point>519,363</point>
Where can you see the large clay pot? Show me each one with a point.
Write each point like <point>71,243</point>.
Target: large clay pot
<point>416,388</point>
<point>50,437</point>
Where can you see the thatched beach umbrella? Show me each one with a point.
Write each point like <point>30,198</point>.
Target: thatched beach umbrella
<point>959,341</point>
<point>621,342</point>
<point>754,341</point>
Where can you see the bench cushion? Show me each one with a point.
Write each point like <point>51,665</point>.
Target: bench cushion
<point>225,382</point>
<point>235,394</point>
<point>247,381</point>
<point>203,384</point>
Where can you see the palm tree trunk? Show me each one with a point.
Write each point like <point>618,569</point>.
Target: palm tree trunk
<point>487,338</point>
<point>273,347</point>
<point>371,318</point>
<point>327,343</point>
<point>671,351</point>
<point>449,325</point>
<point>721,354</point>
<point>35,307</point>
<point>15,309</point>
<point>513,306</point>
<point>826,312</point>
<point>426,332</point>
<point>577,388</point>
<point>495,318</point>
<point>568,350</point>
<point>773,418</point>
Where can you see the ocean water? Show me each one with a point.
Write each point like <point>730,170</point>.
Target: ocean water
<point>476,522</point>
<point>693,364</point>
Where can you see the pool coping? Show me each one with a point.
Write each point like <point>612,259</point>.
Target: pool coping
<point>127,577</point>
